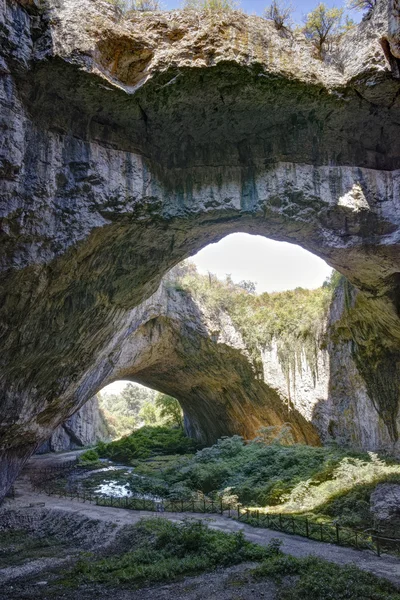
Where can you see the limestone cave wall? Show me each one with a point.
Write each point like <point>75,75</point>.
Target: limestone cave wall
<point>130,142</point>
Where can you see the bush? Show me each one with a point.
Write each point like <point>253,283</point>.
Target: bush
<point>322,580</point>
<point>165,550</point>
<point>279,12</point>
<point>210,5</point>
<point>147,441</point>
<point>89,457</point>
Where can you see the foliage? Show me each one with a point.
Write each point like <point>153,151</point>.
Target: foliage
<point>291,320</point>
<point>327,483</point>
<point>363,5</point>
<point>169,410</point>
<point>279,12</point>
<point>122,411</point>
<point>137,5</point>
<point>210,5</point>
<point>317,579</point>
<point>89,457</point>
<point>146,441</point>
<point>137,405</point>
<point>351,472</point>
<point>166,550</point>
<point>322,25</point>
<point>149,414</point>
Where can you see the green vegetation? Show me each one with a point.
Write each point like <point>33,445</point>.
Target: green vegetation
<point>144,442</point>
<point>327,484</point>
<point>170,412</point>
<point>164,551</point>
<point>322,25</point>
<point>291,479</point>
<point>136,405</point>
<point>317,579</point>
<point>211,5</point>
<point>122,411</point>
<point>293,320</point>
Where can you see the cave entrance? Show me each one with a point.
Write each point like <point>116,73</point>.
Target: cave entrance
<point>187,345</point>
<point>126,406</point>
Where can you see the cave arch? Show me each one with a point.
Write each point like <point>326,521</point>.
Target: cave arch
<point>110,179</point>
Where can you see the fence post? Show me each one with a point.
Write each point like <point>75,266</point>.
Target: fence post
<point>293,525</point>
<point>222,507</point>
<point>307,530</point>
<point>258,517</point>
<point>337,534</point>
<point>247,514</point>
<point>238,509</point>
<point>322,532</point>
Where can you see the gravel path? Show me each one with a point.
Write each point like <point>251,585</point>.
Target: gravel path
<point>385,566</point>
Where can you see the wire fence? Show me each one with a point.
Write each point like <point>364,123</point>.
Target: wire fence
<point>42,480</point>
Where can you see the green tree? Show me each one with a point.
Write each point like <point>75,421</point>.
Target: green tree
<point>134,396</point>
<point>149,414</point>
<point>322,25</point>
<point>279,12</point>
<point>169,409</point>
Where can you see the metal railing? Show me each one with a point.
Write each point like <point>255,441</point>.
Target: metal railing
<point>322,532</point>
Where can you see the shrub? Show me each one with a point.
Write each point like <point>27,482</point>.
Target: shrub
<point>279,12</point>
<point>89,457</point>
<point>165,550</point>
<point>210,5</point>
<point>146,441</point>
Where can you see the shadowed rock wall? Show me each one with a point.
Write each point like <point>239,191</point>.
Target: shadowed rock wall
<point>86,427</point>
<point>130,143</point>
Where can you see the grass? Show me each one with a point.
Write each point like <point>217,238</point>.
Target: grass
<point>317,579</point>
<point>156,551</point>
<point>17,546</point>
<point>164,551</point>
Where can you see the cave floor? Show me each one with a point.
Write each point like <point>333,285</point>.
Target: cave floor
<point>32,579</point>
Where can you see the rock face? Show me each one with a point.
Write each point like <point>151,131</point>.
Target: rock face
<point>343,395</point>
<point>385,507</point>
<point>128,143</point>
<point>87,426</point>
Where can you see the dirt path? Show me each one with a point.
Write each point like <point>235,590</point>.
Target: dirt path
<point>386,566</point>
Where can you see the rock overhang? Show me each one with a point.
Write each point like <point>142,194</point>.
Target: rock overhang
<point>118,167</point>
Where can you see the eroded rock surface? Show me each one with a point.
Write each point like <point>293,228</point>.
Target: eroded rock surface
<point>130,143</point>
<point>385,507</point>
<point>87,426</point>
